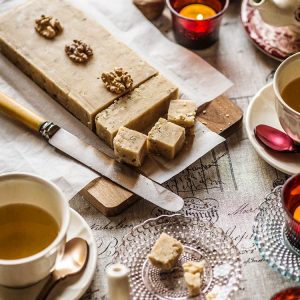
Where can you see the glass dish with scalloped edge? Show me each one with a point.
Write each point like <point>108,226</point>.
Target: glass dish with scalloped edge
<point>201,241</point>
<point>269,231</point>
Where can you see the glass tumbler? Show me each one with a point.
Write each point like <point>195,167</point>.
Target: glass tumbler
<point>291,200</point>
<point>196,34</point>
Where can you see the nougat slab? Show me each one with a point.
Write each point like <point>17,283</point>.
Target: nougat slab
<point>74,85</point>
<point>137,110</point>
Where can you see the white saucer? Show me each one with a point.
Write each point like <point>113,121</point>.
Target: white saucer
<point>72,288</point>
<point>262,111</point>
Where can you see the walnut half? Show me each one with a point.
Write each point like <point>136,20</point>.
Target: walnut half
<point>48,27</point>
<point>117,81</point>
<point>78,51</point>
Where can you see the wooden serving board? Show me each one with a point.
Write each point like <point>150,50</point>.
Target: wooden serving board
<point>220,115</point>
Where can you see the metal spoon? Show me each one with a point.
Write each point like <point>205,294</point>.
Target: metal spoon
<point>73,261</point>
<point>275,139</point>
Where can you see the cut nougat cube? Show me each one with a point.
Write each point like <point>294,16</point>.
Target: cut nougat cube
<point>165,138</point>
<point>211,296</point>
<point>193,271</point>
<point>193,283</point>
<point>194,266</point>
<point>182,112</point>
<point>165,252</point>
<point>130,146</point>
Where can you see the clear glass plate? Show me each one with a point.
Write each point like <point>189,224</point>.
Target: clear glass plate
<point>201,240</point>
<point>270,239</point>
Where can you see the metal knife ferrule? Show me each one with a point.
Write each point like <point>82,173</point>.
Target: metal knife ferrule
<point>48,129</point>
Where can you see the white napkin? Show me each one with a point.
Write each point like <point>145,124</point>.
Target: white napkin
<point>21,150</point>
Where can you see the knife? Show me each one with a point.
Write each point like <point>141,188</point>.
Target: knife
<point>92,158</point>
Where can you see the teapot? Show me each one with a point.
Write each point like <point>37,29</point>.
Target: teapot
<point>279,12</point>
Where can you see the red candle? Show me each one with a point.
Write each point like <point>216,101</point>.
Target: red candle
<point>196,23</point>
<point>291,205</point>
<point>288,294</point>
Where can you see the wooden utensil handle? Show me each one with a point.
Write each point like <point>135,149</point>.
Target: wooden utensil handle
<point>16,111</point>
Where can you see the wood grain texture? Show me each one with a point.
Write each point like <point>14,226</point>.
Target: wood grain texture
<point>107,197</point>
<point>111,199</point>
<point>220,115</point>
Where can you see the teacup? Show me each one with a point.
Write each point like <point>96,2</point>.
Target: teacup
<point>289,118</point>
<point>26,189</point>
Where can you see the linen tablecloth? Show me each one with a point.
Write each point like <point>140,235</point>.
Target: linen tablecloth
<point>225,186</point>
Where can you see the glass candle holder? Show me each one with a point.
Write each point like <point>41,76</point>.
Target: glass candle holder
<point>291,204</point>
<point>194,33</point>
<point>292,293</point>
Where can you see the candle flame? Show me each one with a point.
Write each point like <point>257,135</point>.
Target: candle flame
<point>199,17</point>
<point>296,214</point>
<point>198,11</point>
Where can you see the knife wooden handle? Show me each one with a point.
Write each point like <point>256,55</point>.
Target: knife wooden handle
<point>16,111</point>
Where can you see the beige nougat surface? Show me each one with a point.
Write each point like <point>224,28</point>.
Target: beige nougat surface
<point>194,266</point>
<point>165,252</point>
<point>211,296</point>
<point>193,283</point>
<point>165,139</point>
<point>137,110</point>
<point>130,146</point>
<point>74,85</point>
<point>182,112</point>
<point>193,271</point>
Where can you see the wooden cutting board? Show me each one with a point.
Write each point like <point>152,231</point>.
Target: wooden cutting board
<point>66,82</point>
<point>220,115</point>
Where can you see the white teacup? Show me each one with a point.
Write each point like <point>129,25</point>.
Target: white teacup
<point>288,117</point>
<point>29,189</point>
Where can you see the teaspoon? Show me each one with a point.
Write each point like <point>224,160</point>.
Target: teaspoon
<point>73,261</point>
<point>275,139</point>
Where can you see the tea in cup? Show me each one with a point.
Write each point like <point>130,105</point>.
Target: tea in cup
<point>34,219</point>
<point>286,86</point>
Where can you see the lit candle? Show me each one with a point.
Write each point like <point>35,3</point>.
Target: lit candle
<point>196,25</point>
<point>296,214</point>
<point>296,192</point>
<point>197,11</point>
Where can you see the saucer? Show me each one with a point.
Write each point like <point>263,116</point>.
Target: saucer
<point>201,241</point>
<point>262,110</point>
<point>72,288</point>
<point>276,42</point>
<point>269,237</point>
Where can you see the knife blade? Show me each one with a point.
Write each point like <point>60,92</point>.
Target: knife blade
<point>94,159</point>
